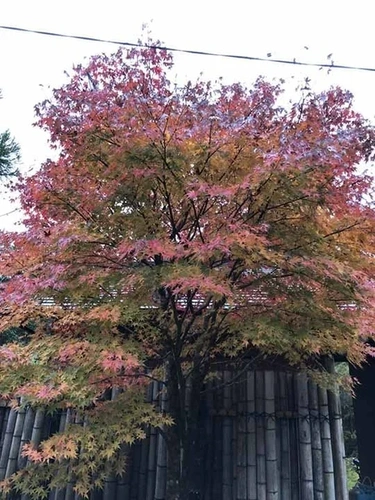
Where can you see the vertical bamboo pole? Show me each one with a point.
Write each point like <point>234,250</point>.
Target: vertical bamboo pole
<point>3,414</point>
<point>26,436</point>
<point>295,478</point>
<point>162,453</point>
<point>15,444</point>
<point>328,471</point>
<point>337,437</point>
<point>110,483</point>
<point>209,439</point>
<point>123,484</point>
<point>278,433</point>
<point>227,441</point>
<point>251,437</point>
<point>307,484</point>
<point>242,440</point>
<point>272,492</point>
<point>144,453</point>
<point>316,442</point>
<point>151,464</point>
<point>134,475</point>
<point>69,493</point>
<point>217,486</point>
<point>4,427</point>
<point>59,493</point>
<point>285,475</point>
<point>65,420</point>
<point>7,442</point>
<point>260,436</point>
<point>234,394</point>
<point>36,435</point>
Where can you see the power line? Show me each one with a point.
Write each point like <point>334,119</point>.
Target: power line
<point>193,52</point>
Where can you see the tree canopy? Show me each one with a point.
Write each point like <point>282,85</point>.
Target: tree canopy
<point>180,225</point>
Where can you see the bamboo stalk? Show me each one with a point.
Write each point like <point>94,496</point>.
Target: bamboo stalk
<point>162,454</point>
<point>65,420</point>
<point>272,491</point>
<point>3,417</point>
<point>69,492</point>
<point>285,475</point>
<point>7,442</point>
<point>260,436</point>
<point>316,442</point>
<point>15,444</point>
<point>26,436</point>
<point>151,464</point>
<point>217,486</point>
<point>110,483</point>
<point>337,438</point>
<point>234,394</point>
<point>307,484</point>
<point>123,485</point>
<point>293,433</point>
<point>277,431</point>
<point>251,437</point>
<point>227,441</point>
<point>36,434</point>
<point>209,440</point>
<point>242,441</point>
<point>4,427</point>
<point>144,445</point>
<point>134,475</point>
<point>328,471</point>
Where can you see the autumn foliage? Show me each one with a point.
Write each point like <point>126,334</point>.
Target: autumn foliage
<point>180,225</point>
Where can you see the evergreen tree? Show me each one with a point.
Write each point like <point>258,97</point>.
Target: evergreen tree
<point>9,153</point>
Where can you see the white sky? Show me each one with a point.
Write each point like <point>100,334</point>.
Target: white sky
<point>32,64</point>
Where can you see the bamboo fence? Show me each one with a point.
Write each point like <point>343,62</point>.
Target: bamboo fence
<point>268,435</point>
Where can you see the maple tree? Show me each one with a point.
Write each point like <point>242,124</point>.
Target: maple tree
<point>178,226</point>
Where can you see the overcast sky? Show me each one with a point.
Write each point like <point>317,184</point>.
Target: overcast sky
<point>32,64</point>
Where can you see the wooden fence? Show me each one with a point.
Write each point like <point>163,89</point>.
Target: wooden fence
<point>265,435</point>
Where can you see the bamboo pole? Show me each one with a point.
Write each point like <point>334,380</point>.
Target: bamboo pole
<point>272,491</point>
<point>251,437</point>
<point>123,485</point>
<point>227,441</point>
<point>36,435</point>
<point>316,442</point>
<point>209,439</point>
<point>260,436</point>
<point>7,442</point>
<point>328,471</point>
<point>295,479</point>
<point>144,452</point>
<point>285,466</point>
<point>242,441</point>
<point>151,464</point>
<point>337,438</point>
<point>65,420</point>
<point>110,483</point>
<point>69,492</point>
<point>134,475</point>
<point>4,427</point>
<point>26,436</point>
<point>217,486</point>
<point>307,484</point>
<point>162,453</point>
<point>234,394</point>
<point>15,444</point>
<point>3,417</point>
